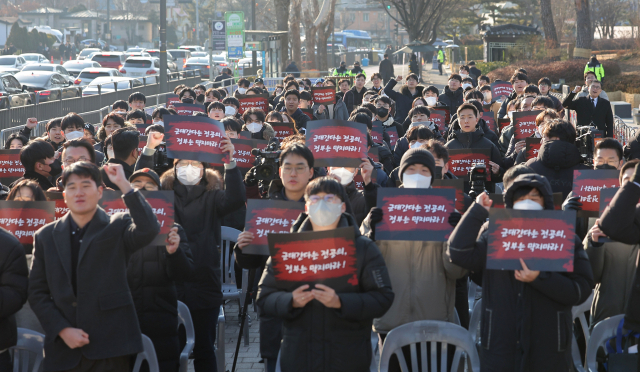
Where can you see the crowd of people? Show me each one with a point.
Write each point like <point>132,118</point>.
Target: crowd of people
<point>93,283</point>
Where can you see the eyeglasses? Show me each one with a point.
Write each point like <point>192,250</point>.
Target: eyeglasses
<point>297,169</point>
<point>71,160</point>
<point>329,198</point>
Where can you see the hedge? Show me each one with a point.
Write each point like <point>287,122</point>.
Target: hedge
<point>572,71</point>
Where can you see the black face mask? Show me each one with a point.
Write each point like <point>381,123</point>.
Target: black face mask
<point>382,112</point>
<point>605,166</point>
<point>187,100</point>
<point>200,98</point>
<point>56,168</point>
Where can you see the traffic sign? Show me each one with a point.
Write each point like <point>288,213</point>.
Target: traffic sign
<point>235,34</point>
<point>218,36</point>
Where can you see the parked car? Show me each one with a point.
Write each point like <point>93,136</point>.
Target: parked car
<point>49,67</point>
<point>199,54</point>
<point>86,76</point>
<point>137,54</point>
<point>11,93</point>
<point>192,48</point>
<point>199,63</point>
<point>181,56</point>
<point>135,49</point>
<point>34,58</point>
<point>171,60</point>
<point>89,42</point>
<point>246,63</point>
<point>12,62</point>
<point>48,86</point>
<point>110,59</point>
<point>109,84</point>
<point>138,67</point>
<point>76,66</point>
<point>87,52</point>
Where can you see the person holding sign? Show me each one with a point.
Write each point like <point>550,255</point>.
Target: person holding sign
<point>125,143</point>
<point>77,287</point>
<point>200,204</point>
<point>526,322</point>
<point>291,102</point>
<point>254,122</point>
<point>337,110</point>
<point>323,329</point>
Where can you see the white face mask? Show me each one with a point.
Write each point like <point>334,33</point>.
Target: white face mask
<point>346,177</point>
<point>487,97</point>
<point>189,175</point>
<point>527,205</point>
<point>110,154</point>
<point>324,214</point>
<point>510,114</point>
<point>159,122</point>
<point>242,90</point>
<point>416,144</point>
<point>431,101</point>
<point>254,127</point>
<point>229,110</point>
<point>416,181</point>
<point>73,135</point>
<point>466,85</point>
<point>464,76</point>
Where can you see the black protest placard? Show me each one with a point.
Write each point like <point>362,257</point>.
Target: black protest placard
<point>60,205</point>
<point>194,138</point>
<point>160,201</point>
<point>392,132</point>
<point>172,99</point>
<point>11,167</point>
<point>142,142</point>
<point>524,123</point>
<point>373,154</point>
<point>587,184</point>
<point>259,101</point>
<point>543,239</point>
<point>415,214</point>
<point>187,109</point>
<point>142,128</point>
<point>462,160</point>
<point>377,132</point>
<point>308,112</point>
<point>337,143</point>
<point>503,123</point>
<point>24,218</point>
<point>532,147</point>
<point>323,257</point>
<point>455,184</point>
<point>606,195</point>
<point>439,118</point>
<point>490,119</point>
<point>323,95</point>
<point>500,90</point>
<point>242,155</point>
<point>283,130</point>
<point>269,217</point>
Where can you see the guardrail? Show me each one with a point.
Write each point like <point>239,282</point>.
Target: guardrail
<point>623,132</point>
<point>51,109</point>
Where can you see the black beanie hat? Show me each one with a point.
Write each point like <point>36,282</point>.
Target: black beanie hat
<point>417,156</point>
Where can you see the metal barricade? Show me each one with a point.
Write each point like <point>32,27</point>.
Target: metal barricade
<point>623,132</point>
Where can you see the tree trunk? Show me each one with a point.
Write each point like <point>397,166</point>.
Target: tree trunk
<point>294,33</point>
<point>584,34</point>
<point>324,31</point>
<point>310,31</point>
<point>550,36</point>
<point>282,24</point>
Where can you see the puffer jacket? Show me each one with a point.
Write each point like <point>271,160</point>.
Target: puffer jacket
<point>14,280</point>
<point>403,99</point>
<point>524,326</point>
<point>482,124</point>
<point>556,161</point>
<point>199,210</point>
<point>451,99</point>
<point>151,273</point>
<point>317,338</point>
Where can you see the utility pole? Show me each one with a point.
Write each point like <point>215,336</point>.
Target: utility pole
<point>197,23</point>
<point>163,46</point>
<point>254,54</point>
<point>210,23</point>
<point>108,30</point>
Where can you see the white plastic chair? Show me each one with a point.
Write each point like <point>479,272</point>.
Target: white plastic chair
<point>577,312</point>
<point>604,330</point>
<point>229,285</point>
<point>220,356</point>
<point>184,318</point>
<point>148,354</point>
<point>476,315</point>
<point>473,287</point>
<point>29,342</point>
<point>432,332</point>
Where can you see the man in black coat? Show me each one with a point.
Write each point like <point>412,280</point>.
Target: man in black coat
<point>474,70</point>
<point>453,94</point>
<point>291,102</point>
<point>14,279</point>
<point>386,69</point>
<point>593,110</point>
<point>125,143</point>
<point>292,69</point>
<point>78,287</point>
<point>37,157</point>
<point>223,77</point>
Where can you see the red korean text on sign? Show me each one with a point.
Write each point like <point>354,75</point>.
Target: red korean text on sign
<point>323,95</point>
<point>588,183</point>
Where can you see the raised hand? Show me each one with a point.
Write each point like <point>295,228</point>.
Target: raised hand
<point>173,241</point>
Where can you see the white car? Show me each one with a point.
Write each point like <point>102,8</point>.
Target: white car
<point>199,54</point>
<point>34,58</point>
<point>76,66</point>
<point>137,54</point>
<point>12,62</point>
<point>86,76</point>
<point>192,48</point>
<point>139,67</point>
<point>49,67</point>
<point>87,52</point>
<point>108,84</point>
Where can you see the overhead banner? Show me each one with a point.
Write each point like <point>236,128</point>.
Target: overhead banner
<point>525,124</point>
<point>323,95</point>
<point>194,138</point>
<point>415,214</point>
<point>11,167</point>
<point>260,101</point>
<point>337,143</point>
<point>24,218</point>
<point>543,239</point>
<point>587,184</point>
<point>323,257</point>
<point>265,217</point>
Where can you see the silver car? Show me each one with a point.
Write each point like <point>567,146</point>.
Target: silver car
<point>88,75</point>
<point>12,62</point>
<point>87,52</point>
<point>34,58</point>
<point>76,66</point>
<point>50,67</point>
<point>108,84</point>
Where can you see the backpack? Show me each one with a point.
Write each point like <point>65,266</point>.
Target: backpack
<point>618,358</point>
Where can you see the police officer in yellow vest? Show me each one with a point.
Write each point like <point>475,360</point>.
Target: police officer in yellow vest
<point>440,59</point>
<point>596,67</point>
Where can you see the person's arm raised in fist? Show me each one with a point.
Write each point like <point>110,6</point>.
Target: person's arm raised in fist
<point>154,139</point>
<point>173,241</point>
<point>116,175</point>
<point>32,123</point>
<point>577,89</point>
<point>485,201</point>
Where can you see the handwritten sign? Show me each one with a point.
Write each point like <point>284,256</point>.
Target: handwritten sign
<point>462,160</point>
<point>543,239</point>
<point>337,143</point>
<point>587,183</point>
<point>11,167</point>
<point>323,95</point>
<point>24,218</point>
<point>415,214</point>
<point>325,257</point>
<point>269,217</point>
<point>524,123</point>
<point>187,109</point>
<point>532,147</point>
<point>259,101</point>
<point>194,138</point>
<point>500,90</point>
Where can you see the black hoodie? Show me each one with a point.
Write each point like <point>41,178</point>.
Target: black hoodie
<point>556,161</point>
<point>452,99</point>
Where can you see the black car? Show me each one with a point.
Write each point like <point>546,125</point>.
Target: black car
<point>47,85</point>
<point>198,63</point>
<point>11,93</point>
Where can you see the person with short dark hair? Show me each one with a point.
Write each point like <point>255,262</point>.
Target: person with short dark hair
<point>137,101</point>
<point>232,107</point>
<point>120,107</point>
<point>216,110</point>
<point>187,95</point>
<point>403,99</point>
<point>338,110</point>
<point>211,95</point>
<point>136,116</point>
<point>254,122</point>
<point>519,81</point>
<point>15,141</point>
<point>384,114</point>
<point>314,320</point>
<point>544,85</point>
<point>292,69</point>
<point>359,89</point>
<point>158,114</point>
<point>89,317</point>
<point>110,123</point>
<point>608,154</point>
<point>37,157</point>
<point>453,94</point>
<point>589,76</point>
<point>125,143</point>
<point>224,79</point>
<point>385,68</point>
<point>292,99</point>
<point>592,111</point>
<point>55,136</point>
<point>231,127</point>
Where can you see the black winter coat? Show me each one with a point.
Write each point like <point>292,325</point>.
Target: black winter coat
<point>619,223</point>
<point>357,96</point>
<point>199,210</point>
<point>358,204</point>
<point>600,116</point>
<point>151,274</point>
<point>482,124</point>
<point>317,338</point>
<point>14,281</point>
<point>556,161</point>
<point>403,99</point>
<point>300,118</point>
<point>451,99</point>
<point>524,326</point>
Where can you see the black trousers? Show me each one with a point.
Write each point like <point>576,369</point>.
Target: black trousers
<point>440,67</point>
<point>204,322</point>
<point>5,361</point>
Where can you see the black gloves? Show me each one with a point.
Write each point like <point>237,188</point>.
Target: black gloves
<point>249,178</point>
<point>572,203</point>
<point>374,216</point>
<point>454,218</point>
